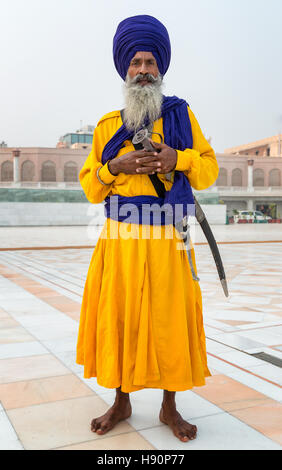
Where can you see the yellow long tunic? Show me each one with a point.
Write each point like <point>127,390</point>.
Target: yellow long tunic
<point>141,323</point>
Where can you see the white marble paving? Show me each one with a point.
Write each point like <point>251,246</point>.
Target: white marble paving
<point>20,261</point>
<point>263,324</point>
<point>64,345</point>
<point>241,359</point>
<point>8,438</point>
<point>269,372</point>
<point>31,348</point>
<point>68,359</point>
<point>216,432</point>
<point>215,347</point>
<point>257,383</point>
<point>55,332</point>
<point>220,366</point>
<point>247,300</point>
<point>273,352</point>
<point>92,383</point>
<point>46,279</point>
<point>212,323</point>
<point>237,341</point>
<point>53,329</point>
<point>246,287</point>
<point>261,336</point>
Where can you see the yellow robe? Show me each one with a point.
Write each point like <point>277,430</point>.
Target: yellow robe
<point>141,323</point>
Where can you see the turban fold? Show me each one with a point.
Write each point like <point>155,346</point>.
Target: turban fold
<point>141,33</point>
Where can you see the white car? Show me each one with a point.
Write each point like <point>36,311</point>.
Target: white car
<point>251,215</point>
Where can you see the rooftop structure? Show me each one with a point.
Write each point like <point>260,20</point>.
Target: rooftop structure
<point>82,138</point>
<point>269,147</point>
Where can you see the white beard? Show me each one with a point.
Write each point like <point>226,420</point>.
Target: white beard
<point>142,101</point>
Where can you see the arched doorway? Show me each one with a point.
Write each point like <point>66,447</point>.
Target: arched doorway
<point>275,177</point>
<point>236,177</point>
<point>27,171</point>
<point>70,172</point>
<point>258,177</point>
<point>7,171</point>
<point>48,171</point>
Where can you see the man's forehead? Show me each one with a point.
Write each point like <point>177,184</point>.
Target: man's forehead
<point>143,55</point>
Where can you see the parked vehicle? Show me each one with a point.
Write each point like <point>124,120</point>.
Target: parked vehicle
<point>251,216</point>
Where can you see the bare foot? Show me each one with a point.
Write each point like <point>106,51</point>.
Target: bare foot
<point>118,412</point>
<point>181,428</point>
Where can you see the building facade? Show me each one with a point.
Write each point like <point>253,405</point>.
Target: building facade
<point>269,147</point>
<point>34,165</point>
<point>250,183</point>
<point>244,181</point>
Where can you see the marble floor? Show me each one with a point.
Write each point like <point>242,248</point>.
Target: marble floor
<point>87,235</point>
<point>47,404</point>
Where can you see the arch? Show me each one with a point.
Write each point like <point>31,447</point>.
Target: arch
<point>222,177</point>
<point>70,172</point>
<point>258,177</point>
<point>48,171</point>
<point>27,171</point>
<point>275,177</point>
<point>7,171</point>
<point>237,177</point>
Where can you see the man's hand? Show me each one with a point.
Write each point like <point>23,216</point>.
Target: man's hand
<point>130,163</point>
<point>166,159</point>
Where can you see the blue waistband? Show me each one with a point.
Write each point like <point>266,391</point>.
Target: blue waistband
<point>149,210</point>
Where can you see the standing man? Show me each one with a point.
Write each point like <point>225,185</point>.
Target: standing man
<point>141,323</point>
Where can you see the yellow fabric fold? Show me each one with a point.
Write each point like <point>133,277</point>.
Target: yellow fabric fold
<point>105,175</point>
<point>141,322</point>
<point>146,363</point>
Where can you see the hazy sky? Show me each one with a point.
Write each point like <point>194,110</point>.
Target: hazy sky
<point>57,68</point>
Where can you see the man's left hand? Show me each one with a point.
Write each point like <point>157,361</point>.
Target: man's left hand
<point>167,159</point>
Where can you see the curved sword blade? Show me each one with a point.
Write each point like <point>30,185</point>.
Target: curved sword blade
<point>201,218</point>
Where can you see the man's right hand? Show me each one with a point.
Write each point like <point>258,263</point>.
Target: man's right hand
<point>130,165</point>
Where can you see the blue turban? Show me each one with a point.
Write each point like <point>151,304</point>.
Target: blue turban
<point>141,33</point>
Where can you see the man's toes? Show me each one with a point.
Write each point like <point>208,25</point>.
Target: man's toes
<point>182,436</point>
<point>103,429</point>
<point>191,432</point>
<point>186,433</point>
<point>95,425</point>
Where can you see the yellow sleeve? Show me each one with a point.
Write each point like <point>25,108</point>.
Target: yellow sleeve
<point>199,164</point>
<point>94,190</point>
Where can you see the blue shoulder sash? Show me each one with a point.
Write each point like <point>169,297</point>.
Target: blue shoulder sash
<point>178,135</point>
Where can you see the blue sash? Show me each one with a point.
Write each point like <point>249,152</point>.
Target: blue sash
<point>178,135</point>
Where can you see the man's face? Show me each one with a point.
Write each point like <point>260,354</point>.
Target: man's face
<point>143,63</point>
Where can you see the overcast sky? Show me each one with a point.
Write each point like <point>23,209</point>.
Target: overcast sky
<point>57,68</point>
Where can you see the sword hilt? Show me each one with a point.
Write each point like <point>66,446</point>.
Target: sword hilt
<point>142,137</point>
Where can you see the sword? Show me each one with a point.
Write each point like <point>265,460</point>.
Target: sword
<point>142,137</point>
<point>201,218</point>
